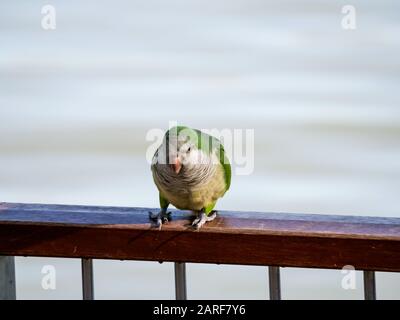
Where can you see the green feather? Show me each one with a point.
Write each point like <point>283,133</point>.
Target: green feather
<point>227,167</point>
<point>209,208</point>
<point>164,203</point>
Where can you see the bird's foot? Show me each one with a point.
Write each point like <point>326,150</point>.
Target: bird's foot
<point>203,218</point>
<point>160,218</point>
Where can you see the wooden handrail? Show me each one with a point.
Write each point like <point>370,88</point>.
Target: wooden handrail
<point>248,238</point>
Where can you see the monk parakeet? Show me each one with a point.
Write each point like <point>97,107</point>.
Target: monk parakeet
<point>191,172</point>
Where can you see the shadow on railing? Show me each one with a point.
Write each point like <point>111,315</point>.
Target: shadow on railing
<point>248,238</point>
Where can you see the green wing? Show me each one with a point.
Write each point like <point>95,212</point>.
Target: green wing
<point>223,159</point>
<point>219,149</point>
<point>227,167</point>
<point>164,203</point>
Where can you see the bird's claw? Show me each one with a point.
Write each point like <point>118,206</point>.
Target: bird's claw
<point>160,218</point>
<point>202,219</point>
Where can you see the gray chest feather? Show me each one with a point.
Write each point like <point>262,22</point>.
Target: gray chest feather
<point>192,190</point>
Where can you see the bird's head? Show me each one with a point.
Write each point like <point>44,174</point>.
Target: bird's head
<point>180,150</point>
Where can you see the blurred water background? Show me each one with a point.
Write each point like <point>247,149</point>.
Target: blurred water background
<point>76,104</point>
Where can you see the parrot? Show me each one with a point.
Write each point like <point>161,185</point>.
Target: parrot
<point>191,171</point>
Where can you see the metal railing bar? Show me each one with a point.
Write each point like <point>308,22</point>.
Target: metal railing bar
<point>180,281</point>
<point>7,278</point>
<point>369,285</point>
<point>274,283</point>
<point>87,279</point>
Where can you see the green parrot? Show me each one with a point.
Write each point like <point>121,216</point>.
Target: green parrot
<point>191,172</point>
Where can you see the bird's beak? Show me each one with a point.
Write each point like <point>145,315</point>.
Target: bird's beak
<point>177,166</point>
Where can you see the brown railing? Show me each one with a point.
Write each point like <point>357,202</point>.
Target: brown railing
<point>247,238</point>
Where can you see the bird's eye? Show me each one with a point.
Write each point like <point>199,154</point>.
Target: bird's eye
<point>188,150</point>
